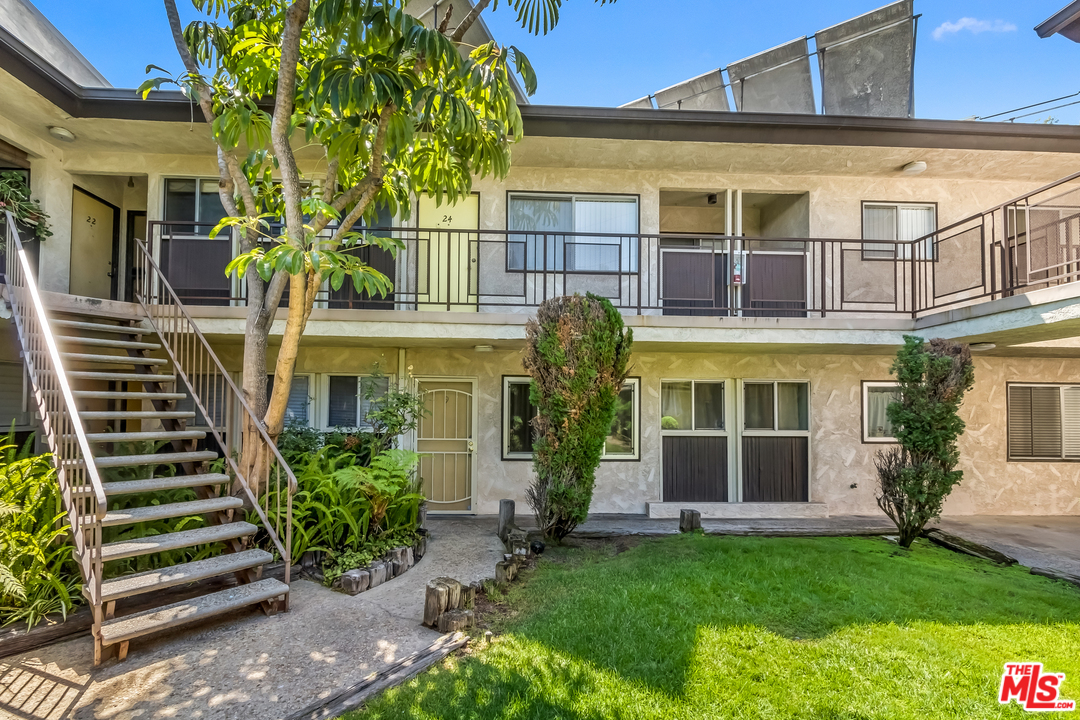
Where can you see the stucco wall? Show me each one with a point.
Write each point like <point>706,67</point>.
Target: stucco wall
<point>839,459</point>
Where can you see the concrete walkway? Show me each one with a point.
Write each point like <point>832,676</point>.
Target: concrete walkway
<point>1035,541</point>
<point>249,666</point>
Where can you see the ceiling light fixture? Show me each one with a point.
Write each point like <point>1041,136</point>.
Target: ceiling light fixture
<point>62,134</point>
<point>484,348</point>
<point>131,182</point>
<point>712,198</point>
<point>980,346</point>
<point>915,168</point>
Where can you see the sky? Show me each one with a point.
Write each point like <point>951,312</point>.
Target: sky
<point>973,57</point>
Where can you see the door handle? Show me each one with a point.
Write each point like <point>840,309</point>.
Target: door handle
<point>472,446</point>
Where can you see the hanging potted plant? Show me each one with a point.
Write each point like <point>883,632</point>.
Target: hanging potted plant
<point>31,221</point>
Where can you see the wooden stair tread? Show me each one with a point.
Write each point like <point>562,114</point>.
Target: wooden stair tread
<point>129,487</point>
<point>107,342</point>
<point>111,461</point>
<point>101,327</point>
<point>148,513</point>
<point>112,359</point>
<point>136,414</point>
<point>125,395</point>
<point>161,579</point>
<point>188,611</point>
<point>120,376</point>
<point>172,541</point>
<point>114,437</point>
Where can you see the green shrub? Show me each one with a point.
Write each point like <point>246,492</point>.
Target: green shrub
<point>389,486</point>
<point>577,353</point>
<point>337,564</point>
<point>38,574</point>
<point>915,478</point>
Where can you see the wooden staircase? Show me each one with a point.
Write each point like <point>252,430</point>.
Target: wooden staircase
<point>105,374</point>
<point>111,369</point>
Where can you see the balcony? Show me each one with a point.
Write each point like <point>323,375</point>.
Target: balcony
<point>1030,243</point>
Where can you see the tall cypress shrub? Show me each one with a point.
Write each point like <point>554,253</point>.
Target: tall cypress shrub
<point>577,353</point>
<point>915,478</point>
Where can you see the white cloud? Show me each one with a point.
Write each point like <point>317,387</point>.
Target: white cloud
<point>972,25</point>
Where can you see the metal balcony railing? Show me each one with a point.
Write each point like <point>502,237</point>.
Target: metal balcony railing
<point>1027,243</point>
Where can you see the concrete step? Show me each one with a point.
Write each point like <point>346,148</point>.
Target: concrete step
<point>173,541</point>
<point>175,482</point>
<point>69,357</point>
<point>111,461</point>
<point>102,328</point>
<point>114,437</point>
<point>155,580</point>
<point>149,513</point>
<point>107,342</point>
<point>189,611</point>
<point>124,395</point>
<point>136,414</point>
<point>120,376</point>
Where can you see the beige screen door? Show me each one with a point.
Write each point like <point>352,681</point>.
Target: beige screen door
<point>447,262</point>
<point>93,236</point>
<point>446,441</point>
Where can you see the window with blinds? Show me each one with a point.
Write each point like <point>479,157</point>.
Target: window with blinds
<point>900,222</point>
<point>543,219</point>
<point>350,398</point>
<point>211,391</point>
<point>1044,422</point>
<point>297,411</point>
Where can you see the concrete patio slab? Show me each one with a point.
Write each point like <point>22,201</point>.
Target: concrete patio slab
<point>247,665</point>
<point>609,526</point>
<point>1035,541</point>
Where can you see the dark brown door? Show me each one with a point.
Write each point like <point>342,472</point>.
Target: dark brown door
<point>775,287</point>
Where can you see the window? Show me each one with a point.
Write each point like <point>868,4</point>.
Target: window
<point>691,405</point>
<point>193,200</point>
<point>897,221</point>
<point>621,444</point>
<point>211,392</point>
<point>876,397</point>
<point>782,407</point>
<point>298,409</point>
<point>346,405</point>
<point>545,219</point>
<point>1044,422</point>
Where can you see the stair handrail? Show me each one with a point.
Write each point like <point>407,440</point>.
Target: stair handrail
<point>62,426</point>
<point>172,321</point>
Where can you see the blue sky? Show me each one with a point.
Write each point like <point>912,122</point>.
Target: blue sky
<point>974,57</point>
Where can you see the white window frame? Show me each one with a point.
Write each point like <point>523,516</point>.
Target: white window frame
<point>634,249</point>
<point>323,400</point>
<point>729,413</point>
<point>635,382</point>
<point>866,385</point>
<point>900,252</point>
<point>1061,388</point>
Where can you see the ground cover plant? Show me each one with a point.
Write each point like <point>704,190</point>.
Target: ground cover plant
<point>727,627</point>
<point>38,575</point>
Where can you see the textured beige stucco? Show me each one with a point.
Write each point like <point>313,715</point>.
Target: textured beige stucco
<point>839,458</point>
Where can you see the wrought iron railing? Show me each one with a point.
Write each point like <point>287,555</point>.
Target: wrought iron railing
<point>1024,244</point>
<point>264,476</point>
<point>80,484</point>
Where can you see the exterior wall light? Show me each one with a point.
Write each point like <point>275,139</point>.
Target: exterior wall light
<point>484,348</point>
<point>980,346</point>
<point>62,134</point>
<point>915,168</point>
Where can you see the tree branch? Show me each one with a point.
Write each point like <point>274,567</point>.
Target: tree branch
<point>471,18</point>
<point>281,126</point>
<point>365,190</point>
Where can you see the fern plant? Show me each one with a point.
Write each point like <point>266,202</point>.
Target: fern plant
<point>38,575</point>
<point>387,484</point>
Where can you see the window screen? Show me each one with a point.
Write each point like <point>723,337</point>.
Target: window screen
<point>1035,421</point>
<point>897,222</point>
<point>296,412</point>
<point>211,391</point>
<point>519,414</point>
<point>543,220</point>
<point>692,405</point>
<point>875,411</point>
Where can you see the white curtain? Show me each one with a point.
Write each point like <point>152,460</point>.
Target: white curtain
<point>604,254</point>
<point>543,218</point>
<point>877,418</point>
<point>676,403</point>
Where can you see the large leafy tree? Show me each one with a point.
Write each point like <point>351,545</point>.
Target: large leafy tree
<point>383,106</point>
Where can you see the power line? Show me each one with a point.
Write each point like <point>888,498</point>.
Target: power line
<point>1027,107</point>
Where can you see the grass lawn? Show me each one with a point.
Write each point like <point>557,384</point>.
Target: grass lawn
<point>727,627</point>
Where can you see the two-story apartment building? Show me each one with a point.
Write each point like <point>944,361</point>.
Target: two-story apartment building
<point>769,265</point>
